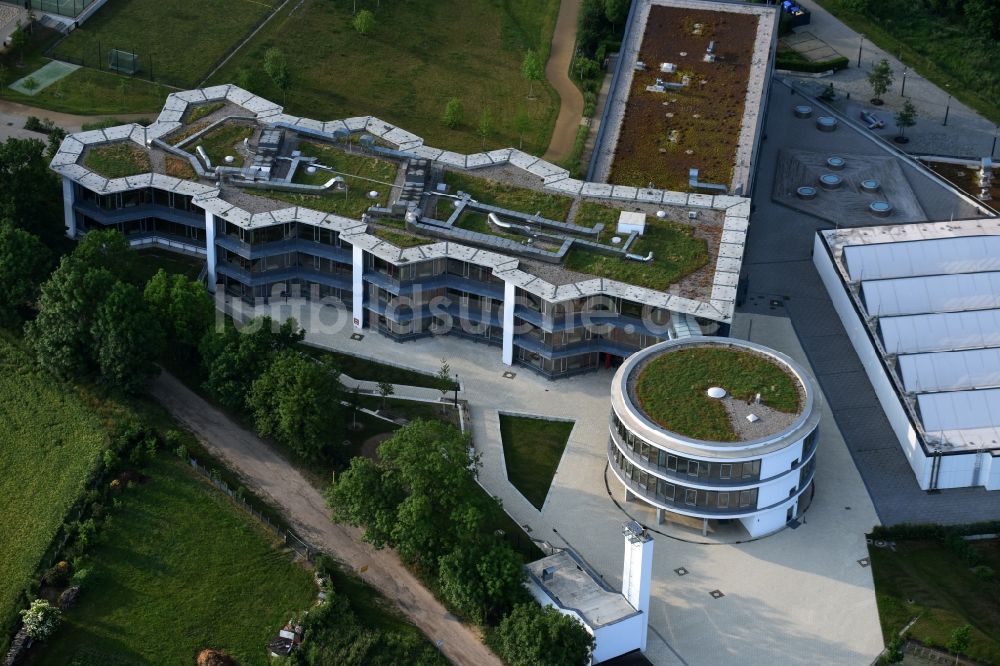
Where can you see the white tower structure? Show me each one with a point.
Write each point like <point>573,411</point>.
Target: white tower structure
<point>638,570</point>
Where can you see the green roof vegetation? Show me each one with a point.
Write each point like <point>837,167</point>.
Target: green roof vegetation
<point>118,160</point>
<point>929,580</point>
<point>520,199</point>
<point>532,449</point>
<point>677,252</point>
<point>479,222</point>
<point>353,164</point>
<point>51,444</point>
<point>400,239</point>
<point>222,141</point>
<point>179,168</point>
<point>199,111</point>
<point>589,213</point>
<point>671,388</point>
<point>179,568</point>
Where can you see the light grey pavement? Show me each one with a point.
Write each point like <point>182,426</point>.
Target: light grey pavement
<point>12,127</point>
<point>967,134</point>
<point>797,597</point>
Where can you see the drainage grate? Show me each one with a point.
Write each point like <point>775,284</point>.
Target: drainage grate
<point>509,375</point>
<point>717,594</point>
<point>864,561</point>
<point>681,571</point>
<point>357,336</point>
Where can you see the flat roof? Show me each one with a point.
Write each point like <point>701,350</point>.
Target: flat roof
<point>931,292</point>
<point>573,585</point>
<point>710,294</point>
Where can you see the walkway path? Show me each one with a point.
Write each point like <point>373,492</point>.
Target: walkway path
<point>557,73</point>
<point>269,474</point>
<point>14,112</point>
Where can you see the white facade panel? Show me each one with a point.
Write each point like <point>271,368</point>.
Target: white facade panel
<point>938,293</point>
<point>948,331</point>
<point>950,371</point>
<point>965,254</point>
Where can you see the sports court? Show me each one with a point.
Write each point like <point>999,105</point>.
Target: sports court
<point>43,77</point>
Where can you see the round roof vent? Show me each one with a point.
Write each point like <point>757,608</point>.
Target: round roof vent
<point>716,392</point>
<point>836,162</point>
<point>830,181</point>
<point>869,185</point>
<point>660,214</point>
<point>230,159</point>
<point>806,192</point>
<point>826,123</point>
<point>802,111</point>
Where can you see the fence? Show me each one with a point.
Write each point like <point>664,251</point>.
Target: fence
<point>70,8</point>
<point>291,539</point>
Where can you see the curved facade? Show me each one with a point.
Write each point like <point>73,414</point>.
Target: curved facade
<point>764,480</point>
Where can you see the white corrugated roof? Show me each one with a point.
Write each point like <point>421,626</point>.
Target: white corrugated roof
<point>956,410</point>
<point>965,254</point>
<point>949,331</point>
<point>936,293</point>
<point>950,371</point>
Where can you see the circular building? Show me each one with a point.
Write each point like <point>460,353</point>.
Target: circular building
<point>715,429</point>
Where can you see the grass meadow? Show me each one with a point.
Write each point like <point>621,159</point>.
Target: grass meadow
<point>532,449</point>
<point>179,569</point>
<point>50,442</point>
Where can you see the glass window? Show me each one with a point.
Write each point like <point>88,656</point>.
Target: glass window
<point>692,468</point>
<point>690,497</point>
<point>725,471</point>
<point>704,469</point>
<point>661,458</point>
<point>672,463</point>
<point>723,501</point>
<point>744,498</point>
<point>668,491</point>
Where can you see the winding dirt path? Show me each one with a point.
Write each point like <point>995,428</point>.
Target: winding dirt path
<point>557,74</point>
<point>267,473</point>
<point>68,121</point>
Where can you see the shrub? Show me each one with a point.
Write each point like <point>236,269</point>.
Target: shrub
<point>41,619</point>
<point>58,574</point>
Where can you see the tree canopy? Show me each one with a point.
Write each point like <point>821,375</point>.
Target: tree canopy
<point>24,264</point>
<point>30,197</point>
<point>533,634</point>
<point>183,308</point>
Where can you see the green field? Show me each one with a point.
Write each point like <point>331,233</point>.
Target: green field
<point>420,55</point>
<point>926,578</point>
<point>180,569</point>
<point>671,389</point>
<point>180,40</point>
<point>51,442</point>
<point>940,47</point>
<point>532,449</point>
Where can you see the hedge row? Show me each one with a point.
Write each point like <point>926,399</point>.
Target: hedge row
<point>906,531</point>
<point>797,65</point>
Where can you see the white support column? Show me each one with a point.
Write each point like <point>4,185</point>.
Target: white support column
<point>68,212</point>
<point>210,250</point>
<point>638,571</point>
<point>509,292</point>
<point>358,273</point>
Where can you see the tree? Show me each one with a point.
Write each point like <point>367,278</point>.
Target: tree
<point>364,22</point>
<point>522,124</point>
<point>452,113</point>
<point>485,124</point>
<point>183,308</point>
<point>894,649</point>
<point>108,249</point>
<point>983,18</point>
<point>960,640</point>
<point>127,339</point>
<point>24,264</point>
<point>30,196</point>
<point>532,69</point>
<point>276,67</point>
<point>532,634</point>
<point>616,12</point>
<point>880,78</point>
<point>41,619</point>
<point>367,494</point>
<point>18,41</point>
<point>232,359</point>
<point>385,389</point>
<point>443,381</point>
<point>905,117</point>
<point>482,584</point>
<point>297,402</point>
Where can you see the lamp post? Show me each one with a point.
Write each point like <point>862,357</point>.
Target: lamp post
<point>902,89</point>
<point>993,150</point>
<point>947,105</point>
<point>860,44</point>
<point>456,390</point>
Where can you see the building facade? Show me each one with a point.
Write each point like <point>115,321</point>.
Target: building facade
<point>763,482</point>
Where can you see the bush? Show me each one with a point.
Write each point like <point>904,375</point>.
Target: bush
<point>41,619</point>
<point>797,63</point>
<point>57,575</point>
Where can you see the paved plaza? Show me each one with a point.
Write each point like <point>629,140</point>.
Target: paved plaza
<point>797,597</point>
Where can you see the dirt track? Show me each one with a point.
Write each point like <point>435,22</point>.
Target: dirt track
<point>557,74</point>
<point>265,472</point>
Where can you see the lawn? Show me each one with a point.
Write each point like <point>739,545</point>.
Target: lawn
<point>179,41</point>
<point>198,111</point>
<point>180,568</point>
<point>418,56</point>
<point>520,199</point>
<point>153,260</point>
<point>51,442</point>
<point>942,49</point>
<point>677,252</point>
<point>532,449</point>
<point>179,168</point>
<point>671,389</point>
<point>400,239</point>
<point>222,141</point>
<point>944,592</point>
<point>479,222</point>
<point>357,367</point>
<point>117,160</point>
